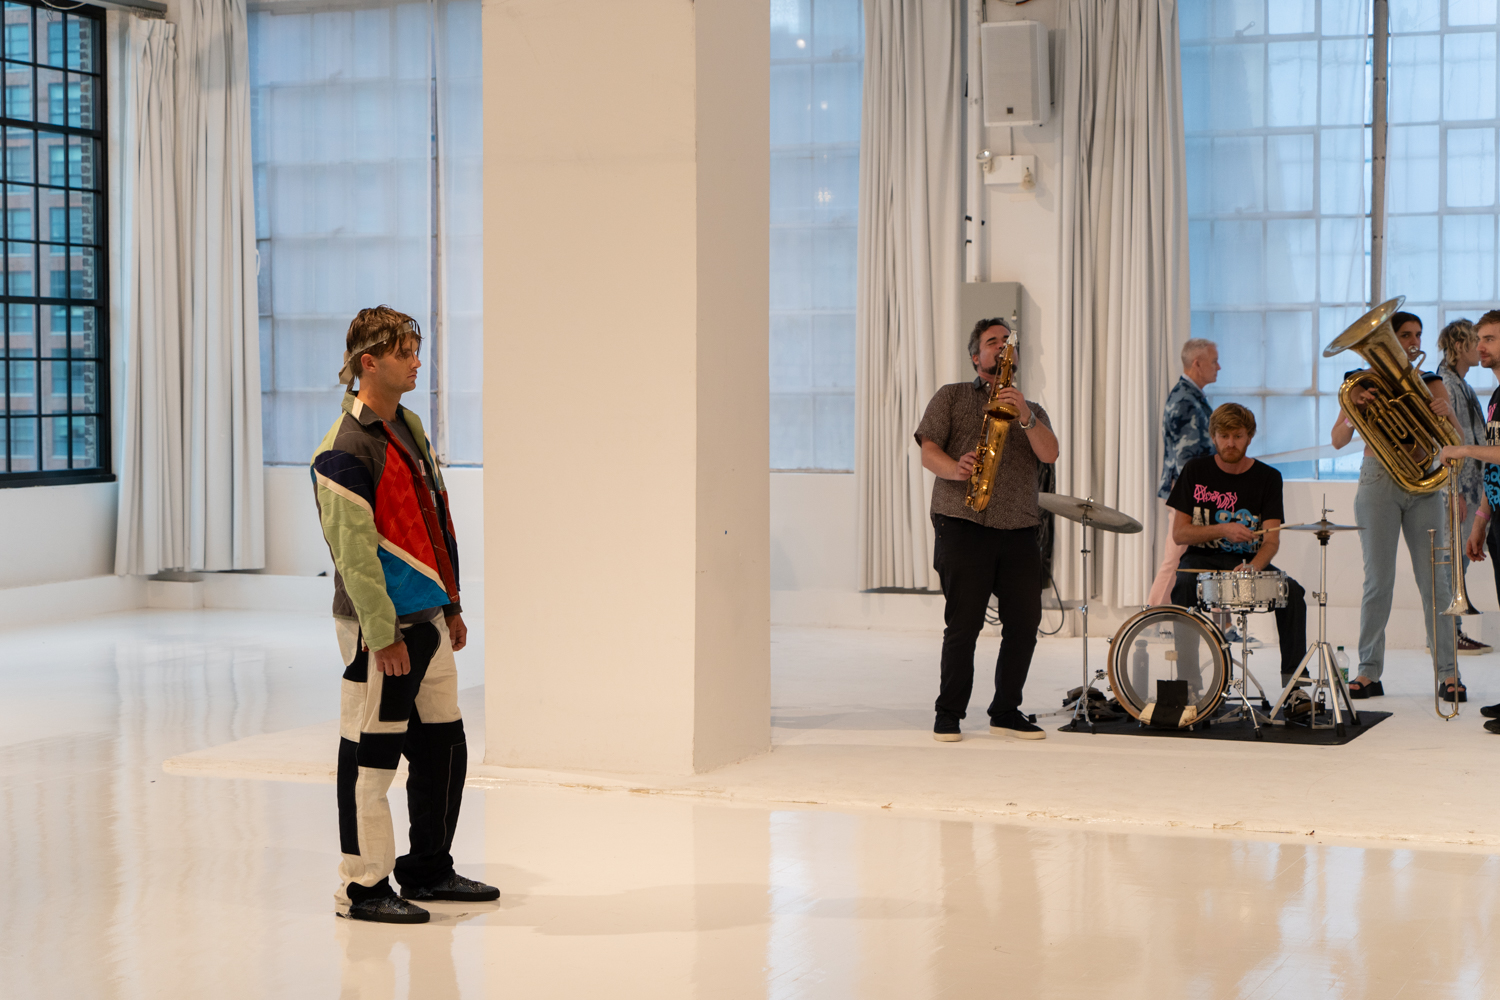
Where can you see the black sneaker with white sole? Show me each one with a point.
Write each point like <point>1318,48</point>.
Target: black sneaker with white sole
<point>1016,726</point>
<point>390,909</point>
<point>945,729</point>
<point>455,888</point>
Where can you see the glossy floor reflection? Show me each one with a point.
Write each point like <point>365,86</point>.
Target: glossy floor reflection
<point>123,881</point>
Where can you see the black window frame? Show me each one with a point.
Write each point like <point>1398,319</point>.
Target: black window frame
<point>40,300</point>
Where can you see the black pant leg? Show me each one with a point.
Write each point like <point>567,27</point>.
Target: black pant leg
<point>437,761</point>
<point>1492,543</point>
<point>1291,627</point>
<point>1018,586</point>
<point>1185,591</point>
<point>963,556</point>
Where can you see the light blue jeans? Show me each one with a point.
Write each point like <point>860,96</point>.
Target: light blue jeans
<point>1385,511</point>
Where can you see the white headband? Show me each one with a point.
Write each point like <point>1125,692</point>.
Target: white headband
<point>350,371</point>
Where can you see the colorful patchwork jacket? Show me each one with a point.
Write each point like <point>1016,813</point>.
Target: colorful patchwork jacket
<point>389,530</point>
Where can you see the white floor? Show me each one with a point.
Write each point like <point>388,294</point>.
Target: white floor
<point>125,880</point>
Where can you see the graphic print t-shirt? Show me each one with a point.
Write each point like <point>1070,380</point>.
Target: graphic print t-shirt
<point>1492,437</point>
<point>1209,495</point>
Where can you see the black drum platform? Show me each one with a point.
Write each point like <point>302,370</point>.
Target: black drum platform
<point>1241,729</point>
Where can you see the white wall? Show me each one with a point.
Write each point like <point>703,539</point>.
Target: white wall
<point>57,533</point>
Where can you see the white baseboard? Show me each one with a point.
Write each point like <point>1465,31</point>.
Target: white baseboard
<point>70,600</point>
<point>99,595</point>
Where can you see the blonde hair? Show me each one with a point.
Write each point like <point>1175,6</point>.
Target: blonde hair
<point>1231,417</point>
<point>1456,336</point>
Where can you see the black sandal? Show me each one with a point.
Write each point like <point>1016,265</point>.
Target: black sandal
<point>1463,692</point>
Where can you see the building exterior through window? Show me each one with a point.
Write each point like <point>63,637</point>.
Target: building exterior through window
<point>54,424</point>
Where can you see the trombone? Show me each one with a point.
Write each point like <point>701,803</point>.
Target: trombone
<point>1454,559</point>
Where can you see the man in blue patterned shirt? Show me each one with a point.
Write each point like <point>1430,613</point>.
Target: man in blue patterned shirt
<point>1185,436</point>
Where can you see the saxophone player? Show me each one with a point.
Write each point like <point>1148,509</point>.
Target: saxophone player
<point>991,551</point>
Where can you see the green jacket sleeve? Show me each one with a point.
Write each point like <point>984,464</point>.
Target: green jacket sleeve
<point>349,528</point>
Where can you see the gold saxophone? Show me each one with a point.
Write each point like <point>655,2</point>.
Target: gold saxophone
<point>997,420</point>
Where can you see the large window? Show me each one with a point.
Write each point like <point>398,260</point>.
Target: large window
<point>54,422</point>
<point>1278,106</point>
<point>817,63</point>
<point>367,141</point>
<point>1441,192</point>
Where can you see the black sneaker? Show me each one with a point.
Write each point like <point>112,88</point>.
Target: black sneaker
<point>946,729</point>
<point>1491,711</point>
<point>454,888</point>
<point>1492,726</point>
<point>1471,647</point>
<point>390,909</point>
<point>1017,726</point>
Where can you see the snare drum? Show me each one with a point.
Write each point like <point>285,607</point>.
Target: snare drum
<point>1243,590</point>
<point>1169,643</point>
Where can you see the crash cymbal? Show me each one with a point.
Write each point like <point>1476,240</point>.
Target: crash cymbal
<point>1098,515</point>
<point>1323,525</point>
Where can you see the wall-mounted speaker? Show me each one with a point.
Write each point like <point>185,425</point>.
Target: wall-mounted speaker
<point>1017,83</point>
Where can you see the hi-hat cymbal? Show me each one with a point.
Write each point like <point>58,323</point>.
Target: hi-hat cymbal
<point>1323,525</point>
<point>1098,515</point>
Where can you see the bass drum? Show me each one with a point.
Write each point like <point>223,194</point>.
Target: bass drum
<point>1169,643</point>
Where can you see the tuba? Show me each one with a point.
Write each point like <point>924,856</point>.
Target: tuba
<point>997,420</point>
<point>1395,417</point>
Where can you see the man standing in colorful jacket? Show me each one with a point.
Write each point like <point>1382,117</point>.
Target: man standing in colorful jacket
<point>395,606</point>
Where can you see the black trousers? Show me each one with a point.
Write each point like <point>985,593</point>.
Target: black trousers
<point>1291,621</point>
<point>1492,543</point>
<point>973,562</point>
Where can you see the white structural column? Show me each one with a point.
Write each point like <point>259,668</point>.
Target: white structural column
<point>625,406</point>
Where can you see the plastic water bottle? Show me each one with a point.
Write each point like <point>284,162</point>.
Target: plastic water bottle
<point>1341,659</point>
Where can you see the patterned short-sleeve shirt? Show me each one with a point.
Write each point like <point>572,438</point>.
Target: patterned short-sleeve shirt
<point>1184,432</point>
<point>953,422</point>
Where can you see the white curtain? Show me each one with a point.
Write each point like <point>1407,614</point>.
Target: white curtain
<point>1124,274</point>
<point>191,475</point>
<point>151,534</point>
<point>908,272</point>
<point>221,343</point>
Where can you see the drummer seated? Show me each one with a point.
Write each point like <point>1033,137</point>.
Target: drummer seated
<point>1227,510</point>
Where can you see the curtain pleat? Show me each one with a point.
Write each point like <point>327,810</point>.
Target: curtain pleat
<point>1124,273</point>
<point>221,337</point>
<point>150,535</point>
<point>908,261</point>
<point>191,479</point>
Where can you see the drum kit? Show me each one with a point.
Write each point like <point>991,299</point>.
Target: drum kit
<point>1172,666</point>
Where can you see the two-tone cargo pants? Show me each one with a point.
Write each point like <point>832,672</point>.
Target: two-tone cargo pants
<point>381,719</point>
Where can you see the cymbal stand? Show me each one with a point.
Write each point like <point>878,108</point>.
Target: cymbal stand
<point>1081,706</point>
<point>1329,679</point>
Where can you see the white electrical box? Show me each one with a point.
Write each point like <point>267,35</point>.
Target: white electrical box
<point>1016,78</point>
<point>1017,170</point>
